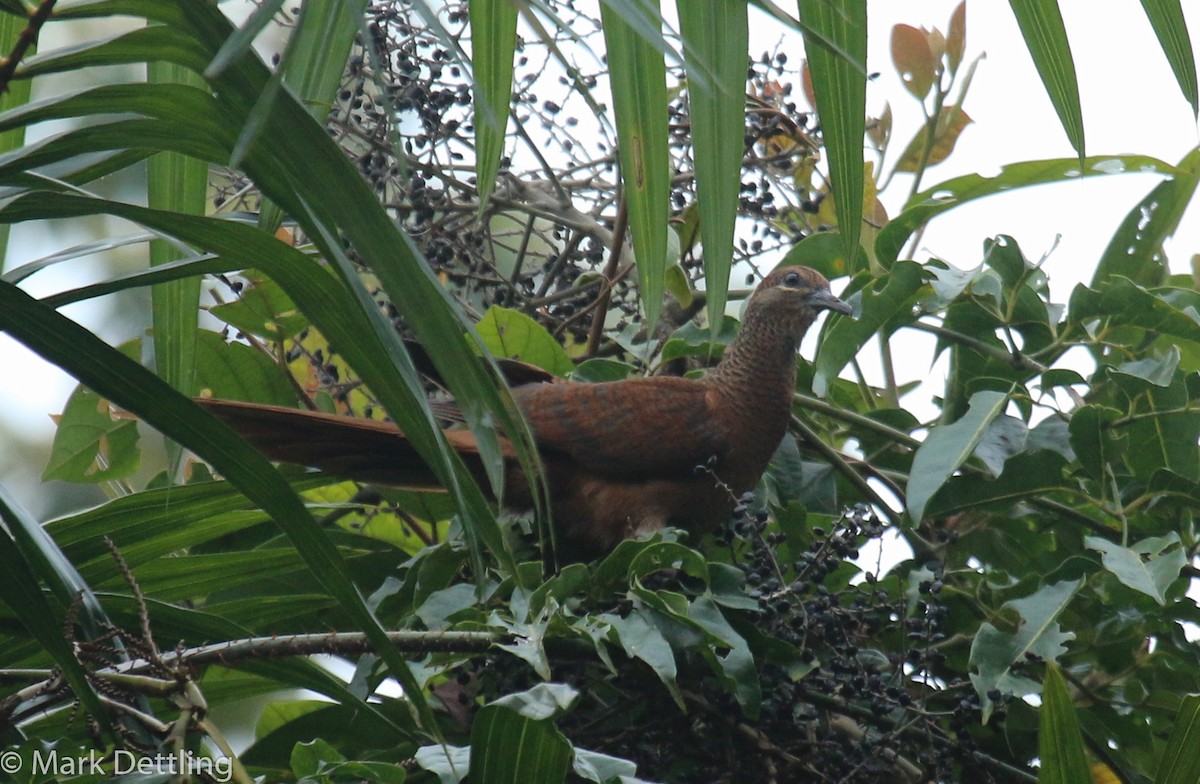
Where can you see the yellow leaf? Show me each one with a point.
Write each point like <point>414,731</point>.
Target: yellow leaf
<point>951,122</point>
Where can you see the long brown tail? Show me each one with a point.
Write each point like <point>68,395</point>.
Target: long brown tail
<point>366,450</point>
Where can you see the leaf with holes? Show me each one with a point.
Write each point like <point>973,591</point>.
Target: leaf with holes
<point>1033,635</point>
<point>1150,566</point>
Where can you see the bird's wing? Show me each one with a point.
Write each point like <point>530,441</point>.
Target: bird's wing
<point>653,428</point>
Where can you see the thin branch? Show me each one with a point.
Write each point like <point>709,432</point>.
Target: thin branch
<point>27,38</point>
<point>1016,360</point>
<point>854,418</point>
<point>839,462</point>
<point>610,273</point>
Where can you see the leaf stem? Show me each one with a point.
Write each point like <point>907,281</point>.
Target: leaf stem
<point>1016,360</point>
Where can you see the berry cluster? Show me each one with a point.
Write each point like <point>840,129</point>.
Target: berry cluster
<point>849,663</point>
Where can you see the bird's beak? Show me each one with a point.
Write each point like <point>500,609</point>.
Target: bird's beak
<point>825,299</point>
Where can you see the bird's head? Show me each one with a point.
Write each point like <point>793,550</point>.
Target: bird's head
<point>796,290</point>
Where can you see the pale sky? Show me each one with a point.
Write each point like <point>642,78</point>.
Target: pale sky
<point>1131,104</point>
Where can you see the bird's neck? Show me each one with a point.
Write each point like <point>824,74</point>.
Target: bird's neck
<point>757,378</point>
<point>761,361</point>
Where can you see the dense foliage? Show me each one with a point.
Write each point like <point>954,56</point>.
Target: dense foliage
<point>1042,501</point>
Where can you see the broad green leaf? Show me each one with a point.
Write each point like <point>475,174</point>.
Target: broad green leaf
<point>360,772</point>
<point>1165,428</point>
<point>678,285</point>
<point>1034,631</point>
<point>493,41</point>
<point>1026,475</point>
<point>737,665</point>
<point>530,639</point>
<point>544,701</point>
<point>236,371</point>
<point>1123,303</point>
<point>296,721</point>
<point>947,447</point>
<point>727,587</point>
<point>1170,26</point>
<point>933,201</point>
<point>1046,38</point>
<point>835,41</point>
<point>307,758</point>
<point>1022,283</point>
<point>1004,438</point>
<point>643,641</point>
<point>559,589</point>
<point>439,606</point>
<point>512,334</point>
<point>612,573</point>
<point>715,36</point>
<point>90,445</point>
<point>1097,443</point>
<point>1060,742</point>
<point>693,341</point>
<point>823,252</point>
<point>639,88</point>
<point>1176,488</point>
<point>264,310</point>
<point>448,763</point>
<point>1150,566</point>
<point>1180,763</point>
<point>317,762</point>
<point>279,713</point>
<point>602,768</point>
<point>1136,248</point>
<point>657,556</point>
<point>882,302</point>
<point>1155,371</point>
<point>813,484</point>
<point>601,369</point>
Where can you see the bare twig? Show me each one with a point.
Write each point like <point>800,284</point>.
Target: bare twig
<point>27,38</point>
<point>610,272</point>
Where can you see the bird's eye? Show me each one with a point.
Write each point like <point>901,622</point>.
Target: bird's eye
<point>791,279</point>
